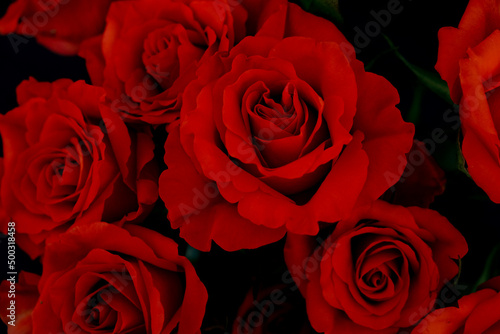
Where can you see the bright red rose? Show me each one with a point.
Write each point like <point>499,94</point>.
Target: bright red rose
<point>25,298</point>
<point>59,25</point>
<point>478,24</point>
<point>377,271</point>
<point>469,61</point>
<point>69,160</point>
<point>279,135</point>
<point>476,313</point>
<point>100,278</point>
<point>149,51</point>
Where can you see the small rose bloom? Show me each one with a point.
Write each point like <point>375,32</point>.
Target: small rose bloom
<point>70,160</point>
<point>100,278</point>
<point>378,271</point>
<point>150,49</point>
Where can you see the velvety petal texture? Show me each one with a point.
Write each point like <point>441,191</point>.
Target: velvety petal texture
<point>285,133</point>
<point>469,60</point>
<point>376,270</point>
<point>68,159</point>
<point>134,282</point>
<point>150,49</point>
<point>25,296</point>
<point>59,25</point>
<point>476,313</point>
<point>481,18</point>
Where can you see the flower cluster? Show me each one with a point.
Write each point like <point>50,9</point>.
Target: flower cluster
<point>226,126</point>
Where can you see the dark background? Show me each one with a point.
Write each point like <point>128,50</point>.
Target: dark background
<point>228,276</point>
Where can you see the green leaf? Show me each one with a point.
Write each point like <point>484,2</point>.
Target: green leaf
<point>489,268</point>
<point>416,105</point>
<point>447,153</point>
<point>455,282</point>
<point>325,8</point>
<point>371,63</point>
<point>430,79</point>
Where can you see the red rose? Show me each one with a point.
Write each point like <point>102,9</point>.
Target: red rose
<point>476,313</point>
<point>69,160</point>
<point>60,25</point>
<point>378,271</point>
<point>149,51</point>
<point>468,60</point>
<point>278,136</point>
<point>478,24</point>
<point>100,278</point>
<point>275,309</point>
<point>25,297</point>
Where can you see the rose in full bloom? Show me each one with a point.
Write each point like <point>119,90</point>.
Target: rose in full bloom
<point>476,313</point>
<point>59,25</point>
<point>377,271</point>
<point>279,135</point>
<point>150,50</point>
<point>100,278</point>
<point>69,160</point>
<point>469,61</point>
<point>25,297</point>
<point>272,310</point>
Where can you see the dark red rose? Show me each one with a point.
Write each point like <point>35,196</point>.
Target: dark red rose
<point>279,135</point>
<point>25,296</point>
<point>469,61</point>
<point>378,271</point>
<point>59,25</point>
<point>69,160</point>
<point>100,278</point>
<point>421,182</point>
<point>476,313</point>
<point>273,310</point>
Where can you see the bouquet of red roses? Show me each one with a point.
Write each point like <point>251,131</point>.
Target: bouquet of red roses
<point>250,166</point>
